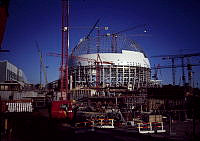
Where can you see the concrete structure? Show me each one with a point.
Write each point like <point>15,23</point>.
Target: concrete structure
<point>10,72</point>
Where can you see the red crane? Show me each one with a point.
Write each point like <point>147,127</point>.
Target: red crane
<point>65,46</point>
<point>97,62</point>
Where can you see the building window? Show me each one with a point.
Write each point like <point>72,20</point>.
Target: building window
<point>6,88</point>
<point>1,87</point>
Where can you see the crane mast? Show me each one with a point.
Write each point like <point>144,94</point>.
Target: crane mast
<point>65,46</point>
<point>115,35</point>
<point>42,66</point>
<point>173,65</point>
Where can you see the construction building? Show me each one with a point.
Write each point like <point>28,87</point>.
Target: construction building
<point>109,71</point>
<point>108,64</point>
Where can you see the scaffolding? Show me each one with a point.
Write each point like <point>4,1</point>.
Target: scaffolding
<point>111,75</point>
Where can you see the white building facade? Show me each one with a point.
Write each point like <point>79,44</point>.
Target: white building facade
<point>9,72</point>
<point>128,68</point>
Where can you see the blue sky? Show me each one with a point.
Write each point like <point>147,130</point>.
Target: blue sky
<point>173,24</point>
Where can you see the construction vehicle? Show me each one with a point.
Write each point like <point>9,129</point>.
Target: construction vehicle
<point>62,109</point>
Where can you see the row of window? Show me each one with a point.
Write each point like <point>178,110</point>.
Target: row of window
<point>9,87</point>
<point>13,76</point>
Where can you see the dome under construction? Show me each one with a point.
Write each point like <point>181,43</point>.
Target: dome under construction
<point>111,60</point>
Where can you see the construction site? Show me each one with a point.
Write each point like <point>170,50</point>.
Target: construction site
<point>106,86</point>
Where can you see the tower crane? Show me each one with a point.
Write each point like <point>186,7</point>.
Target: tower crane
<point>42,66</point>
<point>94,26</point>
<point>65,46</point>
<point>116,34</point>
<point>156,68</point>
<point>88,35</point>
<point>173,65</point>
